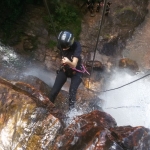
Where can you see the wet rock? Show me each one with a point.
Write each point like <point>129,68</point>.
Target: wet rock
<point>32,81</point>
<point>27,44</point>
<point>130,137</point>
<point>95,64</point>
<point>83,128</point>
<point>128,64</point>
<point>29,120</point>
<point>127,16</point>
<point>26,121</point>
<point>95,83</point>
<point>110,48</point>
<point>97,130</point>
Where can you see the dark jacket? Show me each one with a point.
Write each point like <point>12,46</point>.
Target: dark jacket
<point>73,51</point>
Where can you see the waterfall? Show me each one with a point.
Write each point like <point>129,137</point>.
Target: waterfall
<point>130,105</point>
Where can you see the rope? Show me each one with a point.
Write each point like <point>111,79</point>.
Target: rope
<point>127,83</point>
<point>101,21</point>
<point>100,26</point>
<point>120,86</point>
<point>46,5</point>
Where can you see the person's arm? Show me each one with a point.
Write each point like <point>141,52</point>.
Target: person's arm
<point>72,63</point>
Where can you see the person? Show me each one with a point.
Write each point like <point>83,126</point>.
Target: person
<point>99,4</point>
<point>90,6</point>
<point>71,67</point>
<point>107,8</point>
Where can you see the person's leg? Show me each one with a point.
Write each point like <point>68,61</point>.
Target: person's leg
<point>92,8</point>
<point>98,7</point>
<point>75,82</point>
<point>59,82</point>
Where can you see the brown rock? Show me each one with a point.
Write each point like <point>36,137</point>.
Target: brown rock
<point>83,129</point>
<point>129,64</point>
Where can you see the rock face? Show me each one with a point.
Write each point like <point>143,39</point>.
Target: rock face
<point>83,129</point>
<point>124,16</point>
<point>128,64</point>
<point>28,120</point>
<point>97,131</point>
<point>117,27</point>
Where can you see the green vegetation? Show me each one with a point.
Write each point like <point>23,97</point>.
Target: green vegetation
<point>65,17</point>
<point>52,44</point>
<point>11,10</point>
<point>120,10</point>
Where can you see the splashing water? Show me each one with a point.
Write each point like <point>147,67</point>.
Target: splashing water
<point>46,76</point>
<point>129,105</point>
<point>71,115</point>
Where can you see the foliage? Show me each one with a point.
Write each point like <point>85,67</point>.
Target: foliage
<point>65,17</point>
<point>52,44</point>
<point>11,10</point>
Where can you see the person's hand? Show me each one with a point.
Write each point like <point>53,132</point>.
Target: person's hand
<point>65,60</point>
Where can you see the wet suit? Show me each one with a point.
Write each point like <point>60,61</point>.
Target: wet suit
<point>66,72</point>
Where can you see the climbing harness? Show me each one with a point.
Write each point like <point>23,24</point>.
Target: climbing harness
<point>72,71</point>
<point>84,70</point>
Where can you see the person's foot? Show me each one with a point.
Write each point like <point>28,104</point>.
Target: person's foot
<point>71,107</point>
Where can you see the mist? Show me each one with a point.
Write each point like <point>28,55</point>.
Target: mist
<point>129,105</point>
<point>46,76</point>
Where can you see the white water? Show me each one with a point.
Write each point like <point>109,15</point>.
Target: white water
<point>129,105</point>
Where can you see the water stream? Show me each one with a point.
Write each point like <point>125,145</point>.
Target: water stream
<point>130,105</point>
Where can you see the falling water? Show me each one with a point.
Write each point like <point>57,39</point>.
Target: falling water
<point>130,105</point>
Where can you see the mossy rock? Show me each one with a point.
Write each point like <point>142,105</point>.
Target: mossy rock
<point>128,17</point>
<point>30,43</point>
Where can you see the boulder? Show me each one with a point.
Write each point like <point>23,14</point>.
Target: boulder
<point>27,117</point>
<point>98,130</point>
<point>128,64</point>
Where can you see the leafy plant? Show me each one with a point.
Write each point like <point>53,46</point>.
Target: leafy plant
<point>65,17</point>
<point>52,43</point>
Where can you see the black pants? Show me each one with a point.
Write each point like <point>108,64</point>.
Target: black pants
<point>60,80</point>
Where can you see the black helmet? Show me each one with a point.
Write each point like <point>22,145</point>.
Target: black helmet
<point>65,39</point>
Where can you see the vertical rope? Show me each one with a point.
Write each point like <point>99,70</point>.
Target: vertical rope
<point>46,5</point>
<point>100,26</point>
<point>101,21</point>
